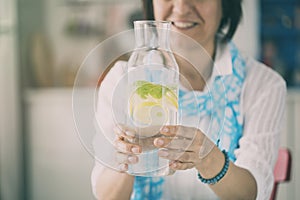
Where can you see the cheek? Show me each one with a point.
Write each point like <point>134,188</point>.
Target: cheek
<point>219,14</point>
<point>213,17</point>
<point>158,13</point>
<point>156,10</point>
<point>160,10</point>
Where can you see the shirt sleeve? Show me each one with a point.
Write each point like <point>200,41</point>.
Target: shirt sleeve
<point>104,122</point>
<point>96,172</point>
<point>263,119</point>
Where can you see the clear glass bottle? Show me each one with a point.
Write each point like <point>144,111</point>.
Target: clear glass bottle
<point>153,78</point>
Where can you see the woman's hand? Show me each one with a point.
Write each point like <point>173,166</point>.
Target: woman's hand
<point>185,147</point>
<point>126,151</point>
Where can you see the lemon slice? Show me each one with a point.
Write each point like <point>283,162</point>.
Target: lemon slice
<point>149,104</point>
<point>149,114</point>
<point>171,99</point>
<point>158,115</point>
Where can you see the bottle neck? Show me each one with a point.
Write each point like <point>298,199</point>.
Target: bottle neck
<point>152,34</point>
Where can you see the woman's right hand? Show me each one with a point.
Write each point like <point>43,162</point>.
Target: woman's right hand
<point>127,151</point>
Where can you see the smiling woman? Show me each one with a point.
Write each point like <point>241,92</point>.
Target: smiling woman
<point>231,15</point>
<point>241,122</point>
<point>205,17</point>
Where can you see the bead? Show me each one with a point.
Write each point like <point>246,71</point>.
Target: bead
<point>220,175</point>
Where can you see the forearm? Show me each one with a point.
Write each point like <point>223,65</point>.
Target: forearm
<point>238,183</point>
<point>114,185</point>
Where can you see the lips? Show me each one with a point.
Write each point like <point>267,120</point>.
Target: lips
<point>184,25</point>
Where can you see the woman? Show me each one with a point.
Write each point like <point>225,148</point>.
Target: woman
<point>244,169</point>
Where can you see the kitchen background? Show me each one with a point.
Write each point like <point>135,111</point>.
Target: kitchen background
<point>43,43</point>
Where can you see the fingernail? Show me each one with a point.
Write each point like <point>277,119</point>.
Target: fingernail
<point>159,142</point>
<point>163,153</point>
<point>118,145</point>
<point>135,149</point>
<point>122,167</point>
<point>165,129</point>
<point>132,159</point>
<point>130,133</point>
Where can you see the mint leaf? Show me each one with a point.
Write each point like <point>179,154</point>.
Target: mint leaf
<point>156,92</point>
<point>144,90</point>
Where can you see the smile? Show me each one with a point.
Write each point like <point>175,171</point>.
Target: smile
<point>184,25</point>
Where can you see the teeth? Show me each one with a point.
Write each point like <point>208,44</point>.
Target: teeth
<point>184,24</point>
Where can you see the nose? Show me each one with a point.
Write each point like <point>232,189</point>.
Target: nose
<point>182,7</point>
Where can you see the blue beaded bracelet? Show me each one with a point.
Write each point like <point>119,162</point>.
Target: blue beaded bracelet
<point>220,175</point>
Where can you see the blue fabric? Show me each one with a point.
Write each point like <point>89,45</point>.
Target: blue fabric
<point>147,188</point>
<point>222,103</point>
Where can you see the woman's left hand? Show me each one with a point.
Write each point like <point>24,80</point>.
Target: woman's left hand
<point>183,146</point>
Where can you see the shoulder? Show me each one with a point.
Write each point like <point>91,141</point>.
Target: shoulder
<point>117,70</point>
<point>260,77</point>
<point>112,74</point>
<point>111,77</point>
<point>262,84</point>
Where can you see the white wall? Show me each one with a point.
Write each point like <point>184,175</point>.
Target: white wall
<point>290,138</point>
<point>10,144</point>
<point>60,167</point>
<point>247,35</point>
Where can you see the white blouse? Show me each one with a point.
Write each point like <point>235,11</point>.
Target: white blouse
<point>262,105</point>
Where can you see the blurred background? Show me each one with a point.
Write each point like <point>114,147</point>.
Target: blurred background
<point>42,45</point>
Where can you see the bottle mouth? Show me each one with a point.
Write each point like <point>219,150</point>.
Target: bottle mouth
<point>152,34</point>
<point>152,23</point>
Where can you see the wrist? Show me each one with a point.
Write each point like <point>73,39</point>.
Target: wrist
<point>212,164</point>
<point>220,175</point>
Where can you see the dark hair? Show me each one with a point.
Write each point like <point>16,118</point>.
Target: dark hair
<point>232,14</point>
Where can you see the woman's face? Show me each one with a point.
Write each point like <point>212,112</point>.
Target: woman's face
<point>198,19</point>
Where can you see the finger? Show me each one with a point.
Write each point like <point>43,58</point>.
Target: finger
<point>180,131</point>
<point>182,156</point>
<point>176,165</point>
<point>174,143</point>
<point>125,132</point>
<point>123,167</point>
<point>125,147</point>
<point>125,158</point>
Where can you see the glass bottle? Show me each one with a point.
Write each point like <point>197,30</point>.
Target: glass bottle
<point>153,78</point>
